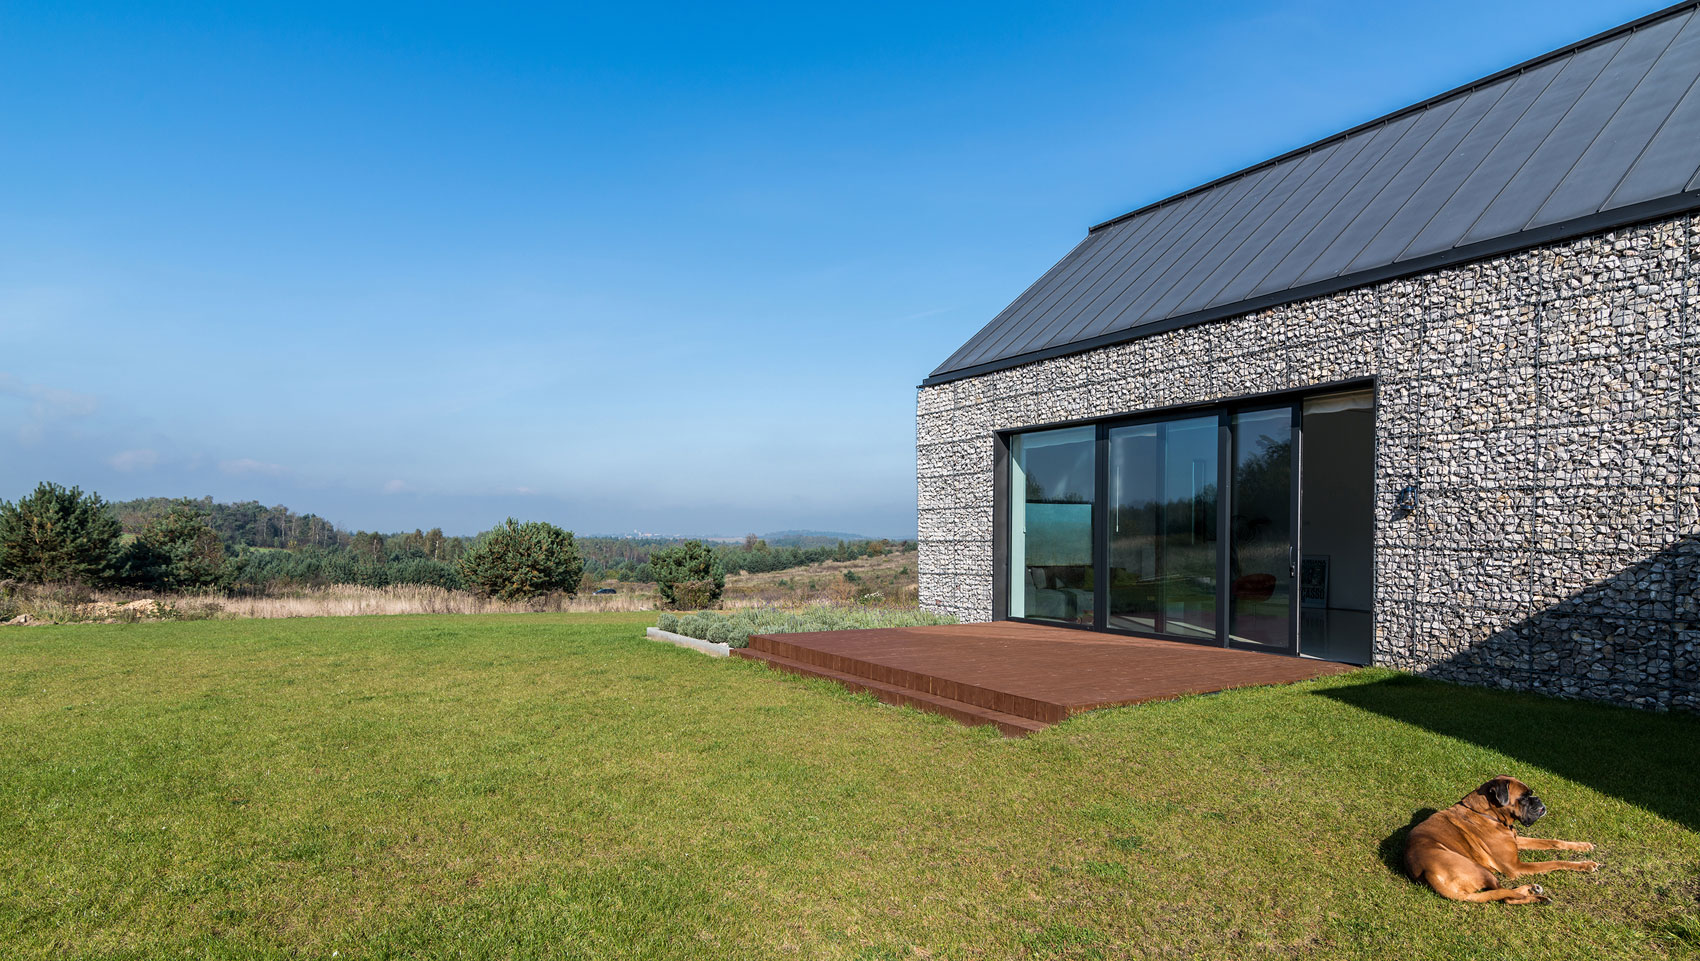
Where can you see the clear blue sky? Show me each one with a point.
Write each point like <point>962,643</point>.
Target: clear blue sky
<point>660,267</point>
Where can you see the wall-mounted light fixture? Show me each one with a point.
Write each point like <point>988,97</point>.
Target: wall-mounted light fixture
<point>1406,500</point>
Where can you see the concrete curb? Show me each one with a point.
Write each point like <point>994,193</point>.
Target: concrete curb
<point>694,643</point>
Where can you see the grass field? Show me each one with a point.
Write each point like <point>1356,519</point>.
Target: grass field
<point>554,786</point>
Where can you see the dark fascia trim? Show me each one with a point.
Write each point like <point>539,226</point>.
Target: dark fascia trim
<point>1511,71</point>
<point>1602,222</point>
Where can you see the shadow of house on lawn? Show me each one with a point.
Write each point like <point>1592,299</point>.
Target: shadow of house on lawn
<point>1633,637</point>
<point>1649,760</point>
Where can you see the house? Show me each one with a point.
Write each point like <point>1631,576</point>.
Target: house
<point>1423,394</point>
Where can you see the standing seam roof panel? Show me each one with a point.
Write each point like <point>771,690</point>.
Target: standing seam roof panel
<point>1311,255</point>
<point>1346,204</point>
<point>1117,305</point>
<point>1595,135</point>
<point>1133,272</point>
<point>1293,174</point>
<point>1182,275</point>
<point>1603,165</point>
<point>1042,301</point>
<point>1185,271</point>
<point>1109,269</point>
<point>1580,126</point>
<point>1182,248</point>
<point>1312,166</point>
<point>1662,167</point>
<point>963,354</point>
<point>1164,222</point>
<point>1026,308</point>
<point>1514,99</point>
<point>1489,180</point>
<point>1106,275</point>
<point>1299,226</point>
<point>1402,190</point>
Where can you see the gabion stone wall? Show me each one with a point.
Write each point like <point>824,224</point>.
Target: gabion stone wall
<point>1545,402</point>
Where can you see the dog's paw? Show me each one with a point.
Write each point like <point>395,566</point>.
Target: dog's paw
<point>1534,893</point>
<point>1588,866</point>
<point>1579,846</point>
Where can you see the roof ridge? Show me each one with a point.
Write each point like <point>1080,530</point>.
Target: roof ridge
<point>1424,104</point>
<point>1476,185</point>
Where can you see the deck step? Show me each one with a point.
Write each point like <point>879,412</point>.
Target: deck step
<point>971,714</point>
<point>873,672</point>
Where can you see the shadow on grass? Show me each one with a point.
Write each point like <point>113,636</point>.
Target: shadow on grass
<point>1649,760</point>
<point>1392,849</point>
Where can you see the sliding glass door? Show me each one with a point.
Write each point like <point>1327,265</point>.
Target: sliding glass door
<point>1184,526</point>
<point>1262,555</point>
<point>1053,496</point>
<point>1162,527</point>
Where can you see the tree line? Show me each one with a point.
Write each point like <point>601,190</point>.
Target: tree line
<point>62,535</point>
<point>755,556</point>
<point>252,524</point>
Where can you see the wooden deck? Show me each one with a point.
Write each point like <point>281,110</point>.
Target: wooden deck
<point>1021,677</point>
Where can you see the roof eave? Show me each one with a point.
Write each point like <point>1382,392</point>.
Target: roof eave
<point>1657,209</point>
<point>1510,71</point>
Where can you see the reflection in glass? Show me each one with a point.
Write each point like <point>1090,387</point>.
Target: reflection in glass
<point>1163,527</point>
<point>1052,491</point>
<point>1338,524</point>
<point>1260,559</point>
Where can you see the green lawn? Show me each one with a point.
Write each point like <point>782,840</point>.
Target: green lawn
<point>557,786</point>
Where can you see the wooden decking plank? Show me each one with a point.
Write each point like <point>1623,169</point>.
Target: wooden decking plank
<point>1036,673</point>
<point>965,713</point>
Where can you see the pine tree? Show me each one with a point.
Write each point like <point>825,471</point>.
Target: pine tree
<point>185,553</point>
<point>58,535</point>
<point>518,561</point>
<point>688,575</point>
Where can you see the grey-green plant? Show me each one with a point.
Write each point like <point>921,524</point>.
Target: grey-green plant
<point>726,632</point>
<point>735,628</point>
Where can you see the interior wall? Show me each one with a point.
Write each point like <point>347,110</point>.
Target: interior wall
<point>1338,510</point>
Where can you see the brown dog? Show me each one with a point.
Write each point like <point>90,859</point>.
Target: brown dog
<point>1458,850</point>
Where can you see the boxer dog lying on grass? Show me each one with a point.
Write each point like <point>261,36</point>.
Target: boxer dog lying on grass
<point>1457,851</point>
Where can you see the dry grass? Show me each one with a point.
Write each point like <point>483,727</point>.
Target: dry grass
<point>890,580</point>
<point>887,581</point>
<point>347,600</point>
<point>60,605</point>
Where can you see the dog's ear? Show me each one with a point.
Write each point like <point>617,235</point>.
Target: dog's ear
<point>1498,792</point>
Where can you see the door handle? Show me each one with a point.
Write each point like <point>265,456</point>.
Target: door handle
<point>1292,561</point>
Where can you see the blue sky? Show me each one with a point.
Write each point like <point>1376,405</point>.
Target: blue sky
<point>662,267</point>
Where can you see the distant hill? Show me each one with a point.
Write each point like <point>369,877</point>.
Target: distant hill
<point>805,538</point>
<point>252,525</point>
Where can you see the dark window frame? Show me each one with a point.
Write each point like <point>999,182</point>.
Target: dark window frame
<point>1223,409</point>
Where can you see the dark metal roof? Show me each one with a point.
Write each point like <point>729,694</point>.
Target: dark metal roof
<point>1596,135</point>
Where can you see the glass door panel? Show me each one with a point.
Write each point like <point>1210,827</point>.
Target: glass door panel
<point>1260,560</point>
<point>1162,527</point>
<point>1053,490</point>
